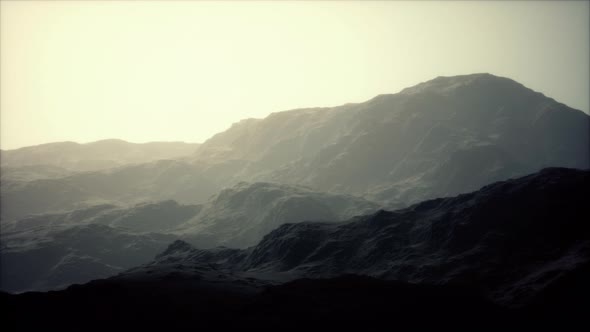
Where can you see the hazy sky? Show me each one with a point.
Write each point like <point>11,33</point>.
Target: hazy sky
<point>182,71</point>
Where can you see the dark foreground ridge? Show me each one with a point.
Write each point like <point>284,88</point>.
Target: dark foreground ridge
<point>513,254</point>
<point>342,302</point>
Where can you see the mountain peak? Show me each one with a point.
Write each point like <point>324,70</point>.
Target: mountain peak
<point>450,84</point>
<point>471,76</point>
<point>109,141</point>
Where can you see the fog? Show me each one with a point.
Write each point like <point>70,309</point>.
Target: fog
<point>182,71</point>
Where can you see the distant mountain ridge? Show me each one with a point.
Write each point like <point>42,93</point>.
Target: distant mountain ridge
<point>133,184</point>
<point>443,137</point>
<point>93,156</point>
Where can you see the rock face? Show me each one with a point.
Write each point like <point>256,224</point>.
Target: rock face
<point>511,240</point>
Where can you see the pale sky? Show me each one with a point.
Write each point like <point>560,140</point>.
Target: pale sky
<point>183,71</point>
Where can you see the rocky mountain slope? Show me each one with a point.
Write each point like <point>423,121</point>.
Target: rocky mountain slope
<point>439,138</point>
<point>240,216</point>
<point>510,240</point>
<point>35,245</point>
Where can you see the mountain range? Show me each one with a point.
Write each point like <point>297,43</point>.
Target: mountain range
<point>491,237</point>
<point>121,237</point>
<point>442,137</point>
<point>439,138</point>
<point>514,253</point>
<point>460,194</point>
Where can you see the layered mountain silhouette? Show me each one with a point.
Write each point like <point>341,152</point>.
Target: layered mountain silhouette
<point>128,185</point>
<point>237,217</point>
<point>462,194</point>
<point>511,238</point>
<point>514,252</point>
<point>439,138</point>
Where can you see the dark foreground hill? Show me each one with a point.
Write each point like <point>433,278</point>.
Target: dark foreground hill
<point>515,254</point>
<point>304,304</point>
<point>358,302</point>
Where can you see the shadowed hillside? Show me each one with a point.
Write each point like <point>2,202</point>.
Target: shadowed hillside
<point>515,253</point>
